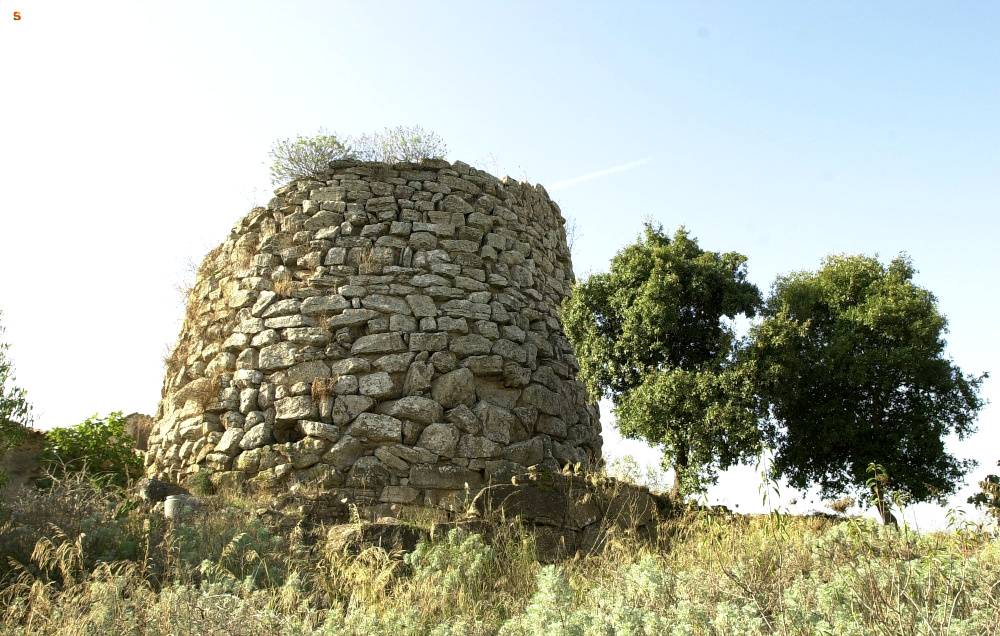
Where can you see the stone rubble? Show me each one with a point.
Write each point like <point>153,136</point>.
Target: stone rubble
<point>391,332</point>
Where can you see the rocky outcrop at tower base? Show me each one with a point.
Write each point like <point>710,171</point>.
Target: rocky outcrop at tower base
<point>391,332</point>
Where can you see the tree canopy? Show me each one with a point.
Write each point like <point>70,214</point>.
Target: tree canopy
<point>850,370</point>
<point>650,335</point>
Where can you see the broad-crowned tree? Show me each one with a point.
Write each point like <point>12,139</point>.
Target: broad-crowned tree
<point>850,369</point>
<point>651,335</point>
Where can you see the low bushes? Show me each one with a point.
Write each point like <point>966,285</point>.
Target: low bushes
<point>76,558</point>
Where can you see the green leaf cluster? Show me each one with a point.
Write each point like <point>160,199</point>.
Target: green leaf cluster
<point>845,369</point>
<point>98,446</point>
<point>305,156</point>
<point>15,411</point>
<point>651,335</point>
<point>849,368</point>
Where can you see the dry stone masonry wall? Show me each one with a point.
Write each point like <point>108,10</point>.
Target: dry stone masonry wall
<point>390,333</point>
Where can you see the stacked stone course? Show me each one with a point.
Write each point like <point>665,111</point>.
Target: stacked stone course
<point>390,333</point>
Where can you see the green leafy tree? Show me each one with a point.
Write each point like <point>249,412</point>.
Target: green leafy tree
<point>651,335</point>
<point>850,370</point>
<point>305,156</point>
<point>15,411</point>
<point>99,446</point>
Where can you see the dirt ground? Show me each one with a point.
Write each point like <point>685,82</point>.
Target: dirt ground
<point>21,464</point>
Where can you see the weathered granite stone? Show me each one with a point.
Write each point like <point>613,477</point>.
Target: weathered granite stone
<point>526,453</point>
<point>351,366</point>
<point>257,436</point>
<point>277,356</point>
<point>418,409</point>
<point>377,385</point>
<point>348,407</point>
<point>378,343</point>
<point>394,362</point>
<point>324,304</point>
<point>375,427</point>
<point>473,446</point>
<point>440,438</point>
<point>295,408</point>
<point>421,305</point>
<point>454,388</point>
<point>320,430</point>
<point>230,442</point>
<point>344,453</point>
<point>368,473</point>
<point>428,341</point>
<point>470,345</point>
<point>445,476</point>
<point>418,378</point>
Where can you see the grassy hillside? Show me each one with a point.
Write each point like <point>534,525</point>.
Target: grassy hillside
<point>78,559</point>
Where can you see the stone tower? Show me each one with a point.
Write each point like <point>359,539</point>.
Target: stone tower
<point>389,332</point>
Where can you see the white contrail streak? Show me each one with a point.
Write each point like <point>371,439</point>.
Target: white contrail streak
<point>594,175</point>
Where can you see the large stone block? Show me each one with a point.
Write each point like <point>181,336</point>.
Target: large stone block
<point>324,304</point>
<point>344,453</point>
<point>277,356</point>
<point>378,343</point>
<point>440,438</point>
<point>454,388</point>
<point>299,407</point>
<point>377,385</point>
<point>418,409</point>
<point>446,476</point>
<point>376,427</point>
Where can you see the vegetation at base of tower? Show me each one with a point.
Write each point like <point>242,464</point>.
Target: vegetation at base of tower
<point>97,446</point>
<point>15,411</point>
<point>79,559</point>
<point>306,156</point>
<point>651,335</point>
<point>849,368</point>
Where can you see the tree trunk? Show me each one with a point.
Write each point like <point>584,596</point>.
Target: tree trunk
<point>680,465</point>
<point>884,509</point>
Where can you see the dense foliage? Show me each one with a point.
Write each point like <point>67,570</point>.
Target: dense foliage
<point>306,156</point>
<point>651,335</point>
<point>99,446</point>
<point>15,411</point>
<point>850,367</point>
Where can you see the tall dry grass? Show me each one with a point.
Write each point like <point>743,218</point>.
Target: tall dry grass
<point>81,559</point>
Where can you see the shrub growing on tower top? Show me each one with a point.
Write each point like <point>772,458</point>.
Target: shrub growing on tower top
<point>402,143</point>
<point>306,156</point>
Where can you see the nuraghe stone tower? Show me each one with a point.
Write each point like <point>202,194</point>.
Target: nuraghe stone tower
<point>390,333</point>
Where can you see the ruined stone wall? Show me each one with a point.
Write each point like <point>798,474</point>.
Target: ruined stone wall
<point>388,332</point>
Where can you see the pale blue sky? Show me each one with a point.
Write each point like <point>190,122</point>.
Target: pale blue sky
<point>782,130</point>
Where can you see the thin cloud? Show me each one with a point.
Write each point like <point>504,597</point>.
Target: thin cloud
<point>594,175</point>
